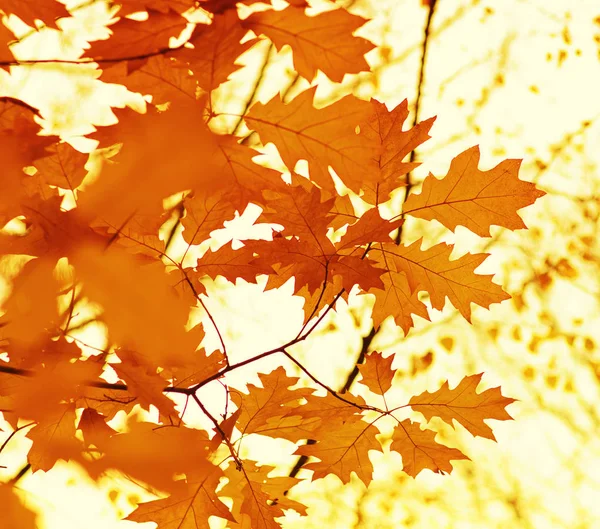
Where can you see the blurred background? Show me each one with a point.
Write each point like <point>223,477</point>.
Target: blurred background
<point>520,78</point>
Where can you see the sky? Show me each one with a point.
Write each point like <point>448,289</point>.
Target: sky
<point>519,78</point>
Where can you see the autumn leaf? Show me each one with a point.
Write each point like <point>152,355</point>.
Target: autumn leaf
<point>420,450</point>
<point>433,271</point>
<point>64,167</point>
<point>145,452</point>
<point>377,373</point>
<point>396,299</point>
<point>53,439</point>
<point>161,77</point>
<point>140,39</point>
<point>385,127</point>
<point>342,448</point>
<point>6,55</point>
<point>216,48</point>
<point>476,199</point>
<point>273,409</point>
<point>324,137</point>
<point>370,228</point>
<point>190,505</point>
<point>464,405</point>
<point>128,7</point>
<point>141,309</point>
<point>323,42</point>
<point>14,513</point>
<point>31,10</point>
<point>257,498</point>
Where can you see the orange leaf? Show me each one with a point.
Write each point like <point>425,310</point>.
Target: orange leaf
<point>264,410</point>
<point>323,42</point>
<point>385,127</point>
<point>138,40</point>
<point>53,439</point>
<point>377,373</point>
<point>370,228</point>
<point>464,405</point>
<point>343,447</point>
<point>396,299</point>
<point>141,309</point>
<point>473,198</point>
<point>14,514</point>
<point>433,271</point>
<point>64,167</point>
<point>189,506</point>
<point>216,47</point>
<point>161,77</point>
<point>31,10</point>
<point>420,450</point>
<point>324,137</point>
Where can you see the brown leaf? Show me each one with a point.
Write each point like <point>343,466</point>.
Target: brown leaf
<point>464,405</point>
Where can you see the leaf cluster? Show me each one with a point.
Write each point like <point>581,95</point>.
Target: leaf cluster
<point>173,166</point>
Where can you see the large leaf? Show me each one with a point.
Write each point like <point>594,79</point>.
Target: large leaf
<point>322,42</point>
<point>476,199</point>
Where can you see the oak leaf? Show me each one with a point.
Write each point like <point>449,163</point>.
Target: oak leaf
<point>216,47</point>
<point>141,39</point>
<point>31,10</point>
<point>385,127</point>
<point>476,199</point>
<point>343,447</point>
<point>189,506</point>
<point>377,373</point>
<point>324,137</point>
<point>464,405</point>
<point>323,42</point>
<point>433,271</point>
<point>420,450</point>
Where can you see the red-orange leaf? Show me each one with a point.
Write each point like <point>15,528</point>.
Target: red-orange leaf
<point>476,199</point>
<point>377,373</point>
<point>420,451</point>
<point>322,42</point>
<point>464,405</point>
